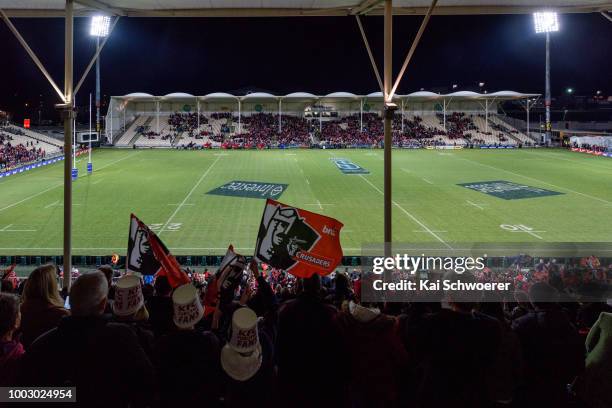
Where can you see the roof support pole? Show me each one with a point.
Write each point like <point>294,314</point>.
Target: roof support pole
<point>372,60</point>
<point>157,116</point>
<point>486,115</point>
<point>388,122</point>
<point>94,59</point>
<point>239,118</point>
<point>415,42</point>
<point>32,55</point>
<point>198,105</point>
<point>68,115</point>
<point>361,115</point>
<point>110,109</point>
<point>527,108</point>
<point>402,116</point>
<point>444,113</point>
<point>280,116</point>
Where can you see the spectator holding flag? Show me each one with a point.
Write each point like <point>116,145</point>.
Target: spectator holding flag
<point>310,351</point>
<point>128,308</point>
<point>161,308</point>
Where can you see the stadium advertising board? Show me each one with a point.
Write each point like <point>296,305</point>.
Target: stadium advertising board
<point>508,190</point>
<point>250,189</point>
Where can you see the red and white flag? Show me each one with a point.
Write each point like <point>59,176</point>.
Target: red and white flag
<point>298,241</point>
<point>148,255</point>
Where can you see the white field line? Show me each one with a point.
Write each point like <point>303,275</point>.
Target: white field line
<point>475,205</point>
<point>53,204</point>
<point>31,197</point>
<point>427,181</point>
<point>115,161</point>
<point>179,204</point>
<point>307,182</point>
<point>61,184</point>
<point>7,227</point>
<point>535,235</point>
<point>178,208</point>
<point>425,227</point>
<point>559,156</point>
<point>538,180</point>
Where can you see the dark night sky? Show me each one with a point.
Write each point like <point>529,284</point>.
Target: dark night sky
<point>318,55</point>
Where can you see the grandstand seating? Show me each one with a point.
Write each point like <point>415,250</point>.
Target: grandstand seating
<point>261,129</point>
<point>127,136</point>
<point>19,146</point>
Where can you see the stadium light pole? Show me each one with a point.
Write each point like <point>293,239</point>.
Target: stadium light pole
<point>546,22</point>
<point>100,28</point>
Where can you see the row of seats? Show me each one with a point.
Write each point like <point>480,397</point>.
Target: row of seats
<point>214,128</point>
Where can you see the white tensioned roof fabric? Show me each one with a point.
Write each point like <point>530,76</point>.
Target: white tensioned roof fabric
<point>271,8</point>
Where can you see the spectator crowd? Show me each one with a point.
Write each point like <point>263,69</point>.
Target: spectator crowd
<point>283,341</point>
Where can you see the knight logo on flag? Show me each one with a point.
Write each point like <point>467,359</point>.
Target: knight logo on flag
<point>148,255</point>
<point>298,241</point>
<point>140,257</point>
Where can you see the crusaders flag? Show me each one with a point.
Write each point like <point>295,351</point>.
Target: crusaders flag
<point>148,255</point>
<point>298,241</point>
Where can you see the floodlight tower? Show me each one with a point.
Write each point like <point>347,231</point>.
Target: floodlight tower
<point>100,28</point>
<point>546,22</point>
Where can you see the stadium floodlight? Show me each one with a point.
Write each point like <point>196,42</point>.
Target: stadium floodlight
<point>545,22</point>
<point>100,26</point>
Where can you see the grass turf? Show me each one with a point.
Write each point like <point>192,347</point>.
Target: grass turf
<point>168,188</point>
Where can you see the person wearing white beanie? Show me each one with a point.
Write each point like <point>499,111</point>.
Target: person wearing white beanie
<point>187,359</point>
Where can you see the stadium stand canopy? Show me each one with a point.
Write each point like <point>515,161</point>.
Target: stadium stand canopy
<point>178,95</point>
<point>280,8</point>
<point>306,96</point>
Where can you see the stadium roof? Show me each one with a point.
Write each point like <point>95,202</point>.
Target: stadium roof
<point>280,8</point>
<point>219,95</point>
<point>305,96</point>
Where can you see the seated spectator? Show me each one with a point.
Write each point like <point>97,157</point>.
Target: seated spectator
<point>161,308</point>
<point>454,353</point>
<point>108,274</point>
<point>373,344</point>
<point>187,359</point>
<point>309,344</point>
<point>129,308</point>
<point>248,362</point>
<point>552,349</point>
<point>523,306</point>
<point>11,350</point>
<point>103,361</point>
<point>594,385</point>
<point>42,307</point>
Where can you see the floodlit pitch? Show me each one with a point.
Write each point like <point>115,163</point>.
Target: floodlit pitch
<point>187,197</point>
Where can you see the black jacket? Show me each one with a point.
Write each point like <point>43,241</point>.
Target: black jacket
<point>103,360</point>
